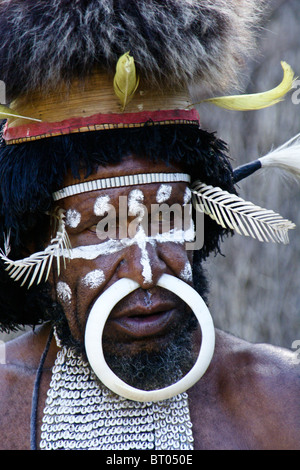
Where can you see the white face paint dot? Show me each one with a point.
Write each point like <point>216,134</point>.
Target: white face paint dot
<point>101,205</point>
<point>135,198</point>
<point>187,196</point>
<point>163,193</point>
<point>186,274</point>
<point>73,218</point>
<point>94,279</point>
<point>64,292</point>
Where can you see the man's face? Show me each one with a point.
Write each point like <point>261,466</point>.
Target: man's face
<point>149,318</point>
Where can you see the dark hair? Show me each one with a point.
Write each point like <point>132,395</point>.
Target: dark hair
<point>31,172</point>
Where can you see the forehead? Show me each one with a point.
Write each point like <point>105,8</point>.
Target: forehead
<point>129,166</point>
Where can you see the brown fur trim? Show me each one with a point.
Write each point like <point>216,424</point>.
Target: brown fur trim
<point>172,41</point>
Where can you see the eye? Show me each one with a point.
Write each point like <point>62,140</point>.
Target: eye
<point>166,218</point>
<point>106,228</point>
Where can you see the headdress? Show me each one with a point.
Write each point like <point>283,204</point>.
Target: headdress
<point>137,69</point>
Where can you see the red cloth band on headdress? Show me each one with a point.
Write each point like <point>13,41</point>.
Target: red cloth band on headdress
<point>39,130</point>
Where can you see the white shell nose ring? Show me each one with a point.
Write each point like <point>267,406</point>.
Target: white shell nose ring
<point>96,322</point>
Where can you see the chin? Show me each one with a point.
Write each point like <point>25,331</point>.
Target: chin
<point>150,365</point>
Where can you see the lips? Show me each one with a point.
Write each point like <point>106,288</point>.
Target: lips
<point>143,325</point>
<point>139,320</point>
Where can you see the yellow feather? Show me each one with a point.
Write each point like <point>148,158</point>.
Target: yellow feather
<point>257,100</point>
<point>125,80</point>
<point>6,112</point>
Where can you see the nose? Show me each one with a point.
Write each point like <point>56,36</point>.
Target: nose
<point>142,264</point>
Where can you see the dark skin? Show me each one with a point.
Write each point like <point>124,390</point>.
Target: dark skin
<point>247,400</point>
<point>248,397</point>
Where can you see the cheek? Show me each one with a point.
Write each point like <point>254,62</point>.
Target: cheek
<point>80,284</point>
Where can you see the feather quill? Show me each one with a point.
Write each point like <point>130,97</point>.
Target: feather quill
<point>257,100</point>
<point>286,157</point>
<point>6,112</point>
<point>125,80</point>
<point>36,264</point>
<point>232,212</point>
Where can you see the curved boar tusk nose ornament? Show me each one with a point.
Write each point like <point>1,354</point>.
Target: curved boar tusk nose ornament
<point>94,330</point>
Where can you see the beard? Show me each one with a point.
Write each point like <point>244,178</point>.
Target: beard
<point>151,370</point>
<point>146,370</point>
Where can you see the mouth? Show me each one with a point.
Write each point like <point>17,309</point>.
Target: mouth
<point>141,322</point>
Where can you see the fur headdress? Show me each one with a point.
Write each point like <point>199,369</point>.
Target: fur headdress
<point>189,41</point>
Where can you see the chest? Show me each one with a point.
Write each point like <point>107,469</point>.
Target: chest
<point>214,426</point>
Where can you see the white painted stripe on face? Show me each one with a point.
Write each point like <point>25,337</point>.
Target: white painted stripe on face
<point>112,246</point>
<point>141,241</point>
<point>135,207</point>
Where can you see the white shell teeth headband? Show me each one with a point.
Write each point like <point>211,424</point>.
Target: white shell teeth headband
<point>119,181</point>
<point>226,209</point>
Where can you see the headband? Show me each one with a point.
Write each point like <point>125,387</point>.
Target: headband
<point>120,181</point>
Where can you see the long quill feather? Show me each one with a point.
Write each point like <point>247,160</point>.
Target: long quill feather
<point>36,264</point>
<point>232,212</point>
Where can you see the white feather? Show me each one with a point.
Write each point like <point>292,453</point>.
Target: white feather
<point>232,212</point>
<point>286,157</point>
<point>35,265</point>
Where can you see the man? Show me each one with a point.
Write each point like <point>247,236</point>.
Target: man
<point>86,252</point>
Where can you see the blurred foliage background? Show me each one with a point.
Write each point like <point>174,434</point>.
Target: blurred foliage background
<point>255,286</point>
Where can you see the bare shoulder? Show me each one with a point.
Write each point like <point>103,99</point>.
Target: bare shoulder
<point>264,383</point>
<point>16,379</point>
<point>16,358</point>
<point>20,360</point>
<point>263,364</point>
<point>248,399</point>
